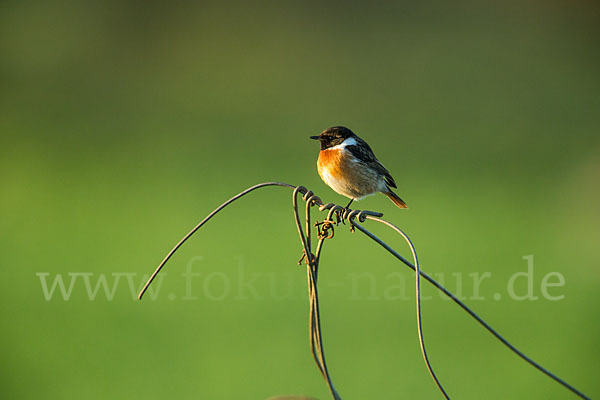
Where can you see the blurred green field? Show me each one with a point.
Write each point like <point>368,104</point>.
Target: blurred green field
<point>122,124</point>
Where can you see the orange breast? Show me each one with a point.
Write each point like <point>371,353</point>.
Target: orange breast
<point>331,161</point>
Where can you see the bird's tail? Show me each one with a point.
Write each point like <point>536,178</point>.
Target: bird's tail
<point>394,197</point>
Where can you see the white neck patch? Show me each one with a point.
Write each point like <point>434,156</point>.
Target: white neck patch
<point>348,142</point>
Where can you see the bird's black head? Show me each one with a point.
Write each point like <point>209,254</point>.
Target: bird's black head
<point>333,136</point>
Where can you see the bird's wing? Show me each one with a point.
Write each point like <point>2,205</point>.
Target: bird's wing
<point>363,152</point>
<point>382,170</point>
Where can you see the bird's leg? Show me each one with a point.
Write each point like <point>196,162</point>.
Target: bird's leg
<point>345,212</point>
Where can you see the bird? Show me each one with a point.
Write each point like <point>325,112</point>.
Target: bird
<point>348,165</point>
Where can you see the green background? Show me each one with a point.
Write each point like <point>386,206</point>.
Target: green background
<point>123,123</point>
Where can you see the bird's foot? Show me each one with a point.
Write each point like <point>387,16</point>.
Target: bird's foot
<point>344,213</point>
<point>348,205</point>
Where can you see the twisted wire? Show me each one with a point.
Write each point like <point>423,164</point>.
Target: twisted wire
<point>312,260</point>
<point>312,265</point>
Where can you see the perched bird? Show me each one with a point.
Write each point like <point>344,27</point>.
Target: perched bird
<point>348,166</point>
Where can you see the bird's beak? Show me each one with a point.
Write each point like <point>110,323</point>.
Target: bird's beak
<point>315,137</point>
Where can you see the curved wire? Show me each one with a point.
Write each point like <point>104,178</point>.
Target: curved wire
<point>312,263</point>
<point>467,309</point>
<point>418,301</point>
<point>315,319</point>
<point>205,220</point>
